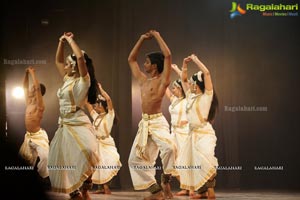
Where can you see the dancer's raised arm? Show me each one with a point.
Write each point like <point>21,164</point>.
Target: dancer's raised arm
<point>26,85</point>
<point>176,69</point>
<point>206,74</point>
<point>169,93</point>
<point>107,97</point>
<point>132,59</point>
<point>59,58</point>
<point>184,75</point>
<point>167,54</point>
<point>82,68</point>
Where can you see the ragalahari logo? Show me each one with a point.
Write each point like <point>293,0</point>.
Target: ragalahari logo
<point>236,10</point>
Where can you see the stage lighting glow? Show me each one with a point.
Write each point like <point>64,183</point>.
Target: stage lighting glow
<point>18,93</point>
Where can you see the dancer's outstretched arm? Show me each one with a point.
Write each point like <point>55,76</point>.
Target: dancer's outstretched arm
<point>59,57</point>
<point>207,78</point>
<point>107,97</point>
<point>82,68</point>
<point>167,54</point>
<point>184,74</point>
<point>132,59</point>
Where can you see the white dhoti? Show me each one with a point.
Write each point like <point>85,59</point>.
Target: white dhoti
<point>109,163</point>
<point>72,155</point>
<point>36,145</point>
<point>198,163</point>
<point>153,136</point>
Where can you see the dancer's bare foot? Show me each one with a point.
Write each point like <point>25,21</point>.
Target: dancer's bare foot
<point>211,193</point>
<point>86,195</point>
<point>107,191</point>
<point>77,197</point>
<point>167,190</point>
<point>191,193</point>
<point>104,191</point>
<point>156,196</point>
<point>199,196</point>
<point>182,193</point>
<point>98,191</point>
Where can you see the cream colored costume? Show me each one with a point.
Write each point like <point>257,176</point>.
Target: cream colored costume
<point>198,162</point>
<point>36,145</point>
<point>179,130</point>
<point>72,154</point>
<point>153,136</point>
<point>109,163</point>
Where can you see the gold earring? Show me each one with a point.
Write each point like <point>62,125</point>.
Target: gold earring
<point>73,70</point>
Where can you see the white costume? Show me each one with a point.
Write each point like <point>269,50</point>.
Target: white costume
<point>72,150</point>
<point>153,136</point>
<point>36,145</point>
<point>198,161</point>
<point>109,163</point>
<point>179,130</point>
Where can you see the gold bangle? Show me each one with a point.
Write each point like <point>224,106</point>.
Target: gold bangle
<point>70,41</point>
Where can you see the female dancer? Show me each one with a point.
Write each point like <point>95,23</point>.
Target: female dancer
<point>103,115</point>
<point>199,152</point>
<point>179,123</point>
<point>72,154</point>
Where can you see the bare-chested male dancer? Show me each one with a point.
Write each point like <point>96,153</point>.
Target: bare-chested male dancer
<point>35,147</point>
<point>153,134</point>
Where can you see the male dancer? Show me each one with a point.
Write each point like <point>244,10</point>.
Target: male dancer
<point>153,134</point>
<point>35,147</point>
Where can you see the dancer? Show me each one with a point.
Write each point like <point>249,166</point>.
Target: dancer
<point>179,128</point>
<point>103,115</point>
<point>35,147</point>
<point>72,154</point>
<point>153,134</point>
<point>199,151</point>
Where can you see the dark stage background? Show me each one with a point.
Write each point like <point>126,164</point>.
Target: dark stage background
<point>254,61</point>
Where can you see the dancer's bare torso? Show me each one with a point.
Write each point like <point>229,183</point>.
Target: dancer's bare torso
<point>152,93</point>
<point>33,114</point>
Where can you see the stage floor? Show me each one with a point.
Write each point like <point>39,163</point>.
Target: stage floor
<point>223,195</point>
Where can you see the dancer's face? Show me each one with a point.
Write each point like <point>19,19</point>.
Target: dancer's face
<point>193,86</point>
<point>148,66</point>
<point>68,68</point>
<point>176,91</point>
<point>99,108</point>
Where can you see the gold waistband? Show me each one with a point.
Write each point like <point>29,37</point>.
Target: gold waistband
<point>182,126</point>
<point>101,137</point>
<point>153,116</point>
<point>35,133</point>
<point>70,114</point>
